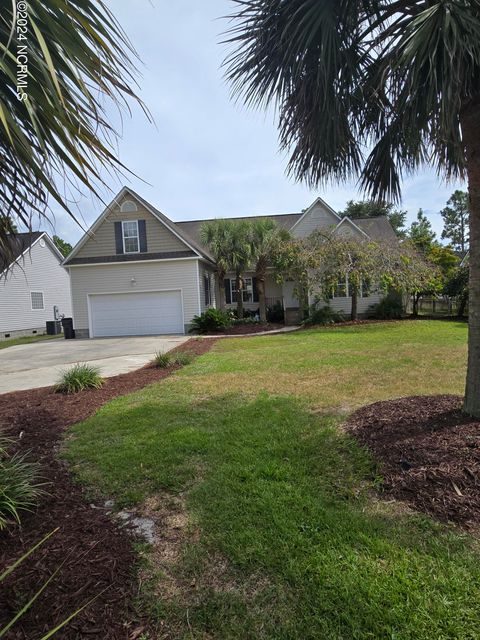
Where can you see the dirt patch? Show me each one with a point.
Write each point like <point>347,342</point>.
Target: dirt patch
<point>246,329</point>
<point>428,452</point>
<point>97,554</point>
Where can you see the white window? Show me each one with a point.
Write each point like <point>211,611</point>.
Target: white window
<point>247,290</point>
<point>131,243</point>
<point>341,289</point>
<point>128,206</point>
<point>37,300</point>
<point>208,289</point>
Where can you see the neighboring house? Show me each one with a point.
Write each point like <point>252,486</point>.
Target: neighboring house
<point>136,272</point>
<point>32,285</point>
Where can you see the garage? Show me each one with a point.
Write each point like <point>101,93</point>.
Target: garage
<point>135,314</point>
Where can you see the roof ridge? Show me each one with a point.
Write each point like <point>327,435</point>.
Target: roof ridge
<point>261,215</point>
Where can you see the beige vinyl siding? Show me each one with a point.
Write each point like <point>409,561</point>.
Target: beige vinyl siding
<point>344,305</point>
<point>159,238</point>
<point>317,218</point>
<point>38,270</point>
<point>148,276</point>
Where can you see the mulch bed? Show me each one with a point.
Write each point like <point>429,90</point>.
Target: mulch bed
<point>97,555</point>
<point>246,329</point>
<point>429,454</point>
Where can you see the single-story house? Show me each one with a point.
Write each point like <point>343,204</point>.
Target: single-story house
<point>136,272</point>
<point>34,286</point>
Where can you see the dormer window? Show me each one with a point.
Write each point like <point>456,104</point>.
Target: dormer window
<point>131,242</point>
<point>128,206</point>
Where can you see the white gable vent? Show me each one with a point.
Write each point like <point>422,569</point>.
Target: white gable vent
<point>128,206</point>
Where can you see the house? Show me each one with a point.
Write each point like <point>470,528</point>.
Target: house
<point>32,285</point>
<point>136,272</point>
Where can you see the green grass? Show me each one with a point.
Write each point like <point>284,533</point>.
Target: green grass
<point>283,537</point>
<point>4,344</point>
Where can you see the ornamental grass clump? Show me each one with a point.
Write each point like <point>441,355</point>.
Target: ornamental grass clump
<point>162,360</point>
<point>20,488</point>
<point>79,377</point>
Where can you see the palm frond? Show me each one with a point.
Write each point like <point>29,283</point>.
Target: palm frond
<point>57,130</point>
<point>372,89</point>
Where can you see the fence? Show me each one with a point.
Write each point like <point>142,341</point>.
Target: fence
<point>435,306</point>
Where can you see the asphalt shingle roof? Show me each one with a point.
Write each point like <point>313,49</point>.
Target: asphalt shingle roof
<point>19,243</point>
<point>378,228</point>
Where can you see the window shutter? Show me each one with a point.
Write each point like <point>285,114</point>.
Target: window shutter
<point>118,237</point>
<point>142,232</point>
<point>228,297</point>
<point>255,289</point>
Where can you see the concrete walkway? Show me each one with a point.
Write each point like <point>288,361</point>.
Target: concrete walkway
<point>252,335</point>
<point>38,364</point>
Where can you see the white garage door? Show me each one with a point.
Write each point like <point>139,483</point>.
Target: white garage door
<point>136,314</point>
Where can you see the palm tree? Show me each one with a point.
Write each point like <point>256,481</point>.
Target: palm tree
<point>54,128</point>
<point>216,235</point>
<point>240,257</point>
<point>266,237</point>
<point>373,89</point>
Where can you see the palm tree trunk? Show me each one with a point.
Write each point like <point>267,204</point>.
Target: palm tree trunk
<point>239,296</point>
<point>470,120</point>
<point>262,304</point>
<point>354,309</point>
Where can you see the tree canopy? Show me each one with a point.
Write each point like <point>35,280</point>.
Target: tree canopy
<point>455,221</point>
<point>62,245</point>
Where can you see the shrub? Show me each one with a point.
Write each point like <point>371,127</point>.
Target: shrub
<point>323,315</point>
<point>275,313</point>
<point>183,358</point>
<point>390,308</point>
<point>81,376</point>
<point>19,486</point>
<point>211,320</point>
<point>162,360</point>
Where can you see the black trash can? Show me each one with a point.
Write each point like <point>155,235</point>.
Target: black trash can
<point>54,327</point>
<point>68,330</point>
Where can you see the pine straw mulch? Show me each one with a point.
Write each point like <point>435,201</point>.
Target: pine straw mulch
<point>428,453</point>
<point>97,556</point>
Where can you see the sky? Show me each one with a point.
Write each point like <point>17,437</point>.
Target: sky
<point>206,156</point>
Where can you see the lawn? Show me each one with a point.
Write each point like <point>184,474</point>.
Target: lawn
<point>268,524</point>
<point>13,342</point>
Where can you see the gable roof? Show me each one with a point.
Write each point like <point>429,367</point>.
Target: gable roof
<point>192,227</point>
<point>347,220</point>
<point>189,242</point>
<point>322,203</point>
<point>188,231</point>
<point>18,244</point>
<point>378,228</point>
<point>21,243</point>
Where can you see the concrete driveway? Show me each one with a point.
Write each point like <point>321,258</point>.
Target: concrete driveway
<point>38,364</point>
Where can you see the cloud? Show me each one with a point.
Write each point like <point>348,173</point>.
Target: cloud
<point>207,156</point>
